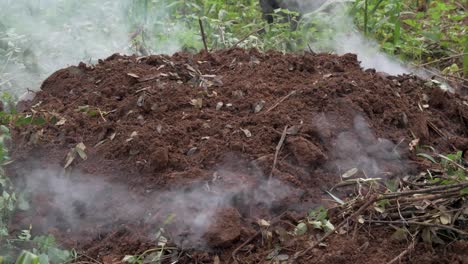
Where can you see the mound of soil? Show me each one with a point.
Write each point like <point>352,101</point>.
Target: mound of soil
<point>221,140</point>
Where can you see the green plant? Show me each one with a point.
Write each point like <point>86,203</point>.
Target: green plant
<point>38,249</point>
<point>7,194</point>
<point>436,36</point>
<point>154,255</point>
<point>317,219</point>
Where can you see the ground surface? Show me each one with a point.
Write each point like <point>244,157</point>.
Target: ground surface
<point>196,136</point>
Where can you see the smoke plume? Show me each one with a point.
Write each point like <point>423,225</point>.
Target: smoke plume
<point>76,203</point>
<point>44,36</point>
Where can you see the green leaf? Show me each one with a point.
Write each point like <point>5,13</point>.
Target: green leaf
<point>465,58</point>
<point>27,257</point>
<point>300,229</point>
<point>21,121</point>
<point>426,156</point>
<point>38,121</point>
<point>316,224</point>
<point>328,226</point>
<point>464,191</point>
<point>130,259</point>
<point>399,235</point>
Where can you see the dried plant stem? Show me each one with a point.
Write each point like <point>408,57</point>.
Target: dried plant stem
<point>448,188</point>
<point>278,148</point>
<point>280,101</point>
<point>403,253</point>
<point>202,30</point>
<point>417,223</point>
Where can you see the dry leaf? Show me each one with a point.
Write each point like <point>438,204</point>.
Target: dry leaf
<point>293,130</point>
<point>198,103</point>
<point>133,75</point>
<point>70,158</point>
<point>61,122</point>
<point>263,223</point>
<point>259,106</point>
<point>219,105</point>
<point>247,133</point>
<point>350,173</point>
<point>361,219</point>
<point>80,149</point>
<point>413,144</point>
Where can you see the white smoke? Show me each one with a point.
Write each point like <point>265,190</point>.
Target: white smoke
<point>359,148</point>
<point>48,35</point>
<point>79,202</point>
<point>344,37</point>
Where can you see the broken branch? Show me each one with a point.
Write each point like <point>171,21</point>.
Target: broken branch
<point>203,34</point>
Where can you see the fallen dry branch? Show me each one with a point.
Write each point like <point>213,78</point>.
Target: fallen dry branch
<point>280,101</point>
<point>202,30</point>
<point>403,253</point>
<point>461,232</point>
<point>448,188</point>
<point>432,193</point>
<point>278,148</point>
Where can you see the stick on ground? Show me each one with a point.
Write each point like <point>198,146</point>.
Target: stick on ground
<point>202,30</point>
<point>280,101</point>
<point>278,148</point>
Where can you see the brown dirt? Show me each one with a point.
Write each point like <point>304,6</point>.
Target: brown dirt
<point>145,130</point>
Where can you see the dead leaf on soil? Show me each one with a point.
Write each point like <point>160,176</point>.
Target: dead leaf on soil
<point>133,75</point>
<point>197,103</point>
<point>399,235</point>
<point>361,219</point>
<point>133,135</point>
<point>445,219</point>
<point>293,130</point>
<point>219,105</point>
<point>80,149</point>
<point>263,223</point>
<point>69,158</point>
<point>71,155</point>
<point>61,122</point>
<point>259,106</point>
<point>192,151</point>
<point>247,133</point>
<point>350,173</point>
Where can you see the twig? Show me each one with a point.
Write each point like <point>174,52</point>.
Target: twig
<point>310,49</point>
<point>431,197</point>
<point>203,34</point>
<point>461,232</point>
<point>428,190</point>
<point>278,148</point>
<point>440,133</point>
<point>442,59</point>
<point>280,101</point>
<point>403,253</point>
<point>234,253</point>
<point>246,36</point>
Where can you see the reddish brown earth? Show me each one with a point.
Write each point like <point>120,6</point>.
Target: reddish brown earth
<point>158,142</point>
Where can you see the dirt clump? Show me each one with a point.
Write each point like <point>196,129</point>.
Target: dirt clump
<point>198,134</point>
<point>225,228</point>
